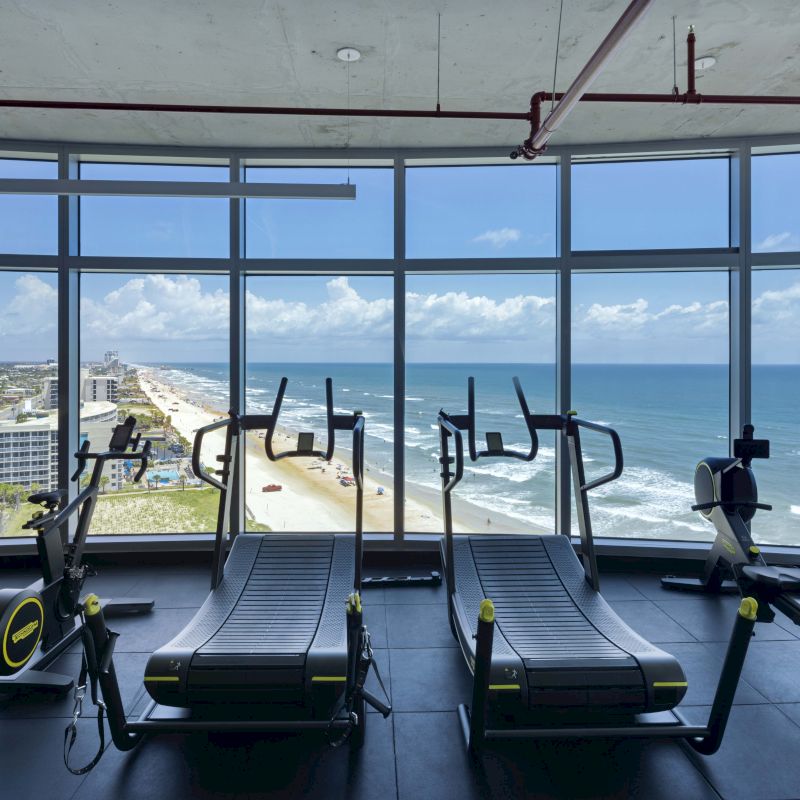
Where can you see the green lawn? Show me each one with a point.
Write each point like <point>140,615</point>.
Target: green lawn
<point>11,521</point>
<point>160,511</point>
<point>140,511</point>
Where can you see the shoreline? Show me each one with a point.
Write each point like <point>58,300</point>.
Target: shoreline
<point>310,489</point>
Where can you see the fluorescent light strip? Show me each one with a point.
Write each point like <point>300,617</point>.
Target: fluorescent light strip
<point>283,191</point>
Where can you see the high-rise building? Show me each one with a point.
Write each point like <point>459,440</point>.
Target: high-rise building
<point>29,450</point>
<point>101,387</point>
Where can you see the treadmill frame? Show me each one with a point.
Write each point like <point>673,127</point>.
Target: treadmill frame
<point>475,721</point>
<point>99,641</point>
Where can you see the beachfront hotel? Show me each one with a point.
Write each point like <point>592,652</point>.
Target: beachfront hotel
<point>475,219</point>
<point>29,449</point>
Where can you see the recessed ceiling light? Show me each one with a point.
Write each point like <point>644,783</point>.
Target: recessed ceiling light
<point>704,62</point>
<point>348,54</point>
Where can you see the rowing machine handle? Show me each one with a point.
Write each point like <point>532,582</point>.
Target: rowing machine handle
<point>135,442</point>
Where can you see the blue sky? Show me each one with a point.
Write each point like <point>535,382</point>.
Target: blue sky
<point>454,212</point>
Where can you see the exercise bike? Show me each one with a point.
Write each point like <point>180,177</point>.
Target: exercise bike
<point>727,495</point>
<point>39,622</point>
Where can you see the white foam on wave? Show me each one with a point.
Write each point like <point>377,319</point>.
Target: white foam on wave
<point>517,472</point>
<point>415,399</point>
<point>794,509</point>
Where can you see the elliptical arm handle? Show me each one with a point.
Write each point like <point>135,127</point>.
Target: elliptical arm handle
<point>617,444</point>
<point>198,442</point>
<point>446,427</point>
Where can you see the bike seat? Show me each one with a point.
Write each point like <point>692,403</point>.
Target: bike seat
<point>49,499</point>
<point>785,579</point>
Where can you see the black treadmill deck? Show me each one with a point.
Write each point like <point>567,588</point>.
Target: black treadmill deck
<point>552,626</point>
<point>274,626</point>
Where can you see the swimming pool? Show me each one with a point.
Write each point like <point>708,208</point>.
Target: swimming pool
<point>165,475</point>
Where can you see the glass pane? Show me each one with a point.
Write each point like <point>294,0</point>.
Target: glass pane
<point>309,329</point>
<point>155,347</point>
<point>28,394</point>
<point>491,327</point>
<point>360,228</point>
<point>189,227</point>
<point>776,203</point>
<point>638,205</point>
<point>28,223</point>
<point>650,359</point>
<point>776,389</point>
<point>481,212</point>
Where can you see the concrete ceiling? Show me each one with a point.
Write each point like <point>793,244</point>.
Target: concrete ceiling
<point>493,57</point>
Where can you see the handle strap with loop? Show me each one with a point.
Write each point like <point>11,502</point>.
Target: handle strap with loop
<point>347,700</point>
<point>89,670</point>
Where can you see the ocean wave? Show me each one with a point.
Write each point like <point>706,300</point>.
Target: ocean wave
<point>415,399</point>
<point>518,472</point>
<point>794,509</point>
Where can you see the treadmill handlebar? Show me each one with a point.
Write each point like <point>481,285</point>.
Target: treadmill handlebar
<point>448,428</point>
<point>615,441</point>
<point>198,470</point>
<point>335,422</point>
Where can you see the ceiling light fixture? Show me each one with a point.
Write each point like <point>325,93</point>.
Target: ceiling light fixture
<point>704,62</point>
<point>348,54</point>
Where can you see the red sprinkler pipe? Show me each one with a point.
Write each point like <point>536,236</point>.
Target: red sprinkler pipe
<point>691,96</point>
<point>690,67</point>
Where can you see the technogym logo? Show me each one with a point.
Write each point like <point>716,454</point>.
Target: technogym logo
<point>19,635</point>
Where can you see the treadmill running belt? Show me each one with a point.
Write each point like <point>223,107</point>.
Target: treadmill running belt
<point>534,610</point>
<point>281,604</point>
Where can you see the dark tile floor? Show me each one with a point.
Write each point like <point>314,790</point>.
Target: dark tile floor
<point>418,752</point>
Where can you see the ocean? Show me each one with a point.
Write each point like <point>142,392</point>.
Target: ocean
<point>668,417</point>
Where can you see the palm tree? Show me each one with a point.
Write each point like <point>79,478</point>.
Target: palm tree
<point>104,482</point>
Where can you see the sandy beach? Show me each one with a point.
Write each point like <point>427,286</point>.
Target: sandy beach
<point>311,498</point>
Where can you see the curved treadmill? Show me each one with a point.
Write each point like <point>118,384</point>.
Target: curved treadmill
<point>274,629</point>
<point>550,658</point>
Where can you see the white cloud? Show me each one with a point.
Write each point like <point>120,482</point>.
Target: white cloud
<point>157,308</point>
<point>779,309</point>
<point>499,237</point>
<point>638,321</point>
<point>31,310</point>
<point>778,241</point>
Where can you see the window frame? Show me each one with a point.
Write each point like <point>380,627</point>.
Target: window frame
<point>738,259</point>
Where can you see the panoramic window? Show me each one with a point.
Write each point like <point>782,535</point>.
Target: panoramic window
<point>776,388</point>
<point>492,328</point>
<point>189,227</point>
<point>308,329</point>
<point>28,223</point>
<point>154,347</point>
<point>775,203</point>
<point>638,205</point>
<point>481,212</point>
<point>324,228</point>
<point>28,394</point>
<point>650,359</point>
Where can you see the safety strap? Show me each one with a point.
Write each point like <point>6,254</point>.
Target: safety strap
<point>348,699</point>
<point>89,670</point>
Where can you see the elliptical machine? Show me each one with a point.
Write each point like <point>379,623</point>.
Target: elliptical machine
<point>38,623</point>
<point>727,495</point>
